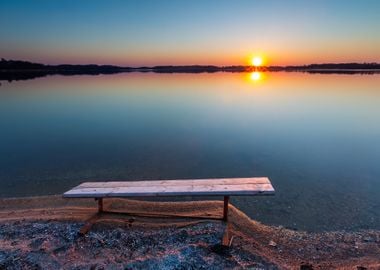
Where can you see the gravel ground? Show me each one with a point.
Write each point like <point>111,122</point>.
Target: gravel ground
<point>42,233</point>
<point>57,245</point>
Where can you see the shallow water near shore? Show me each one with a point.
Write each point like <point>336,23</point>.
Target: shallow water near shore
<point>317,137</point>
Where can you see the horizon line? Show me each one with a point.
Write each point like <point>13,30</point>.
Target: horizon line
<point>194,65</point>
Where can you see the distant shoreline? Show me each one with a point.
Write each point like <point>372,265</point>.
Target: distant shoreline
<point>11,70</point>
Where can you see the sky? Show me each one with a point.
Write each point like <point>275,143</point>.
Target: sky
<point>217,32</point>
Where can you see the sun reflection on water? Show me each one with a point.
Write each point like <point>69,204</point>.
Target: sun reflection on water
<point>255,76</point>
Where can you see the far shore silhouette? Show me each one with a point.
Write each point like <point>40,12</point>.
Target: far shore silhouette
<point>11,70</point>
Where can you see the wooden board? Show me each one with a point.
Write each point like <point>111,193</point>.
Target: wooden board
<point>190,187</point>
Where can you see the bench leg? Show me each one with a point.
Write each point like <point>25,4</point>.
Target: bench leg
<point>227,239</point>
<point>92,220</point>
<point>100,205</point>
<point>225,208</point>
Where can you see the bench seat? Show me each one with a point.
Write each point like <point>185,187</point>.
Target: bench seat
<point>190,187</point>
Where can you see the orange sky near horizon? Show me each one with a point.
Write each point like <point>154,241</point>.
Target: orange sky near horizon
<point>149,33</point>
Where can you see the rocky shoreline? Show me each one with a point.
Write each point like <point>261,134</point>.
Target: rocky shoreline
<point>57,245</point>
<point>42,233</point>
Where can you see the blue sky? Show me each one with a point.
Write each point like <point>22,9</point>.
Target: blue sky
<point>189,32</point>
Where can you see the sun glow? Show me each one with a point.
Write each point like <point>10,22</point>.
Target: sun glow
<point>255,76</point>
<point>257,61</point>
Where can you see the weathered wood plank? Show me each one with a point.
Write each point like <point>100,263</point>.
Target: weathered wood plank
<point>179,189</point>
<point>226,187</point>
<point>221,181</point>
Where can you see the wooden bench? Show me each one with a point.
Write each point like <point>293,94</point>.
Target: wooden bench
<point>198,187</point>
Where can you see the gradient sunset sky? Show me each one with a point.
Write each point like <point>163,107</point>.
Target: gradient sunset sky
<point>137,33</point>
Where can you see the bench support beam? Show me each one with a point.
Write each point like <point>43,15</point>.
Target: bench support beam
<point>225,208</point>
<point>88,224</point>
<point>226,240</point>
<point>93,219</point>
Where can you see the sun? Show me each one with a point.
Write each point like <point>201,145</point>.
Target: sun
<point>257,61</point>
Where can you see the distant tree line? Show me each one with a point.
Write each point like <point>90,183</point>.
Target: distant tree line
<point>21,70</point>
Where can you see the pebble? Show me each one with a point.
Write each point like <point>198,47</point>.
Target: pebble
<point>272,243</point>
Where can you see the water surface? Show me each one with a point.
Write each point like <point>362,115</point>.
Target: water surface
<point>317,137</point>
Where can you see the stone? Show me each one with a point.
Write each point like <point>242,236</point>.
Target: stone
<point>272,243</point>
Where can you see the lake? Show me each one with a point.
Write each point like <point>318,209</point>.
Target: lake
<point>316,136</point>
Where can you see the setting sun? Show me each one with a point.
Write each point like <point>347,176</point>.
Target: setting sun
<point>257,61</point>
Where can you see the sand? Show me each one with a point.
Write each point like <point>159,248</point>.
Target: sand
<point>42,232</point>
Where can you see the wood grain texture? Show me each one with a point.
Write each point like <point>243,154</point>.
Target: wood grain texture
<point>186,182</point>
<point>190,187</point>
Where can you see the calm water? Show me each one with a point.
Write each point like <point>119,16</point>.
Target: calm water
<point>317,137</point>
